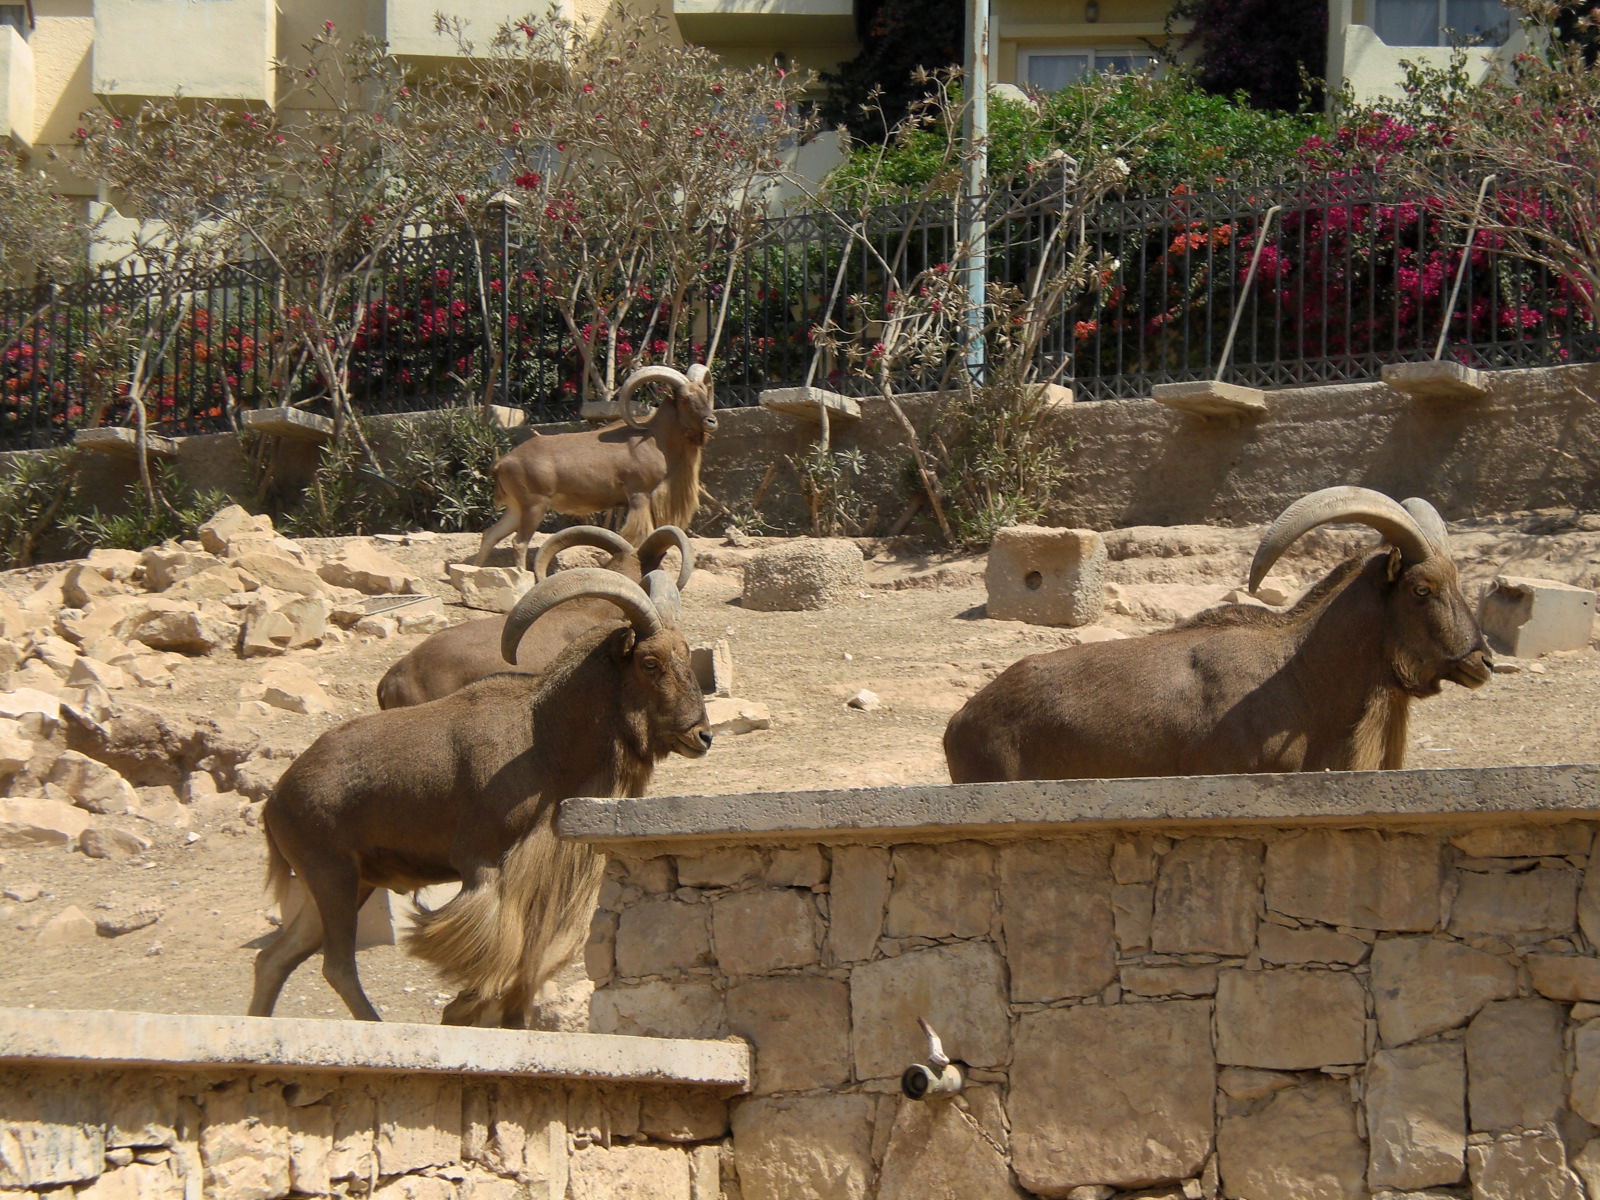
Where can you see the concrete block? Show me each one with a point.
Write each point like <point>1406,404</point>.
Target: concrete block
<point>1450,382</point>
<point>124,443</point>
<point>1046,576</point>
<point>1211,398</point>
<point>713,667</point>
<point>806,404</point>
<point>1528,617</point>
<point>291,423</point>
<point>805,574</point>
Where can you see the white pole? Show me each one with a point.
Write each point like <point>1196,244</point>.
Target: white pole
<point>974,231</point>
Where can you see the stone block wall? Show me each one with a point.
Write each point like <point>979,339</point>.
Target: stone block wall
<point>254,1135</point>
<point>237,1108</point>
<point>1256,1009</point>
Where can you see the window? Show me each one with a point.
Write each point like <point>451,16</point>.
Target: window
<point>1052,70</point>
<point>1441,22</point>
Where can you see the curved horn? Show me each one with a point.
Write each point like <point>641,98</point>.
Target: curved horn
<point>654,548</point>
<point>575,584</point>
<point>1357,504</point>
<point>577,535</point>
<point>657,373</point>
<point>698,373</point>
<point>1430,522</point>
<point>664,595</point>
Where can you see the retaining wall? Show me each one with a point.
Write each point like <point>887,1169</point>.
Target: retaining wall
<point>118,1106</point>
<point>1261,987</point>
<point>1532,442</point>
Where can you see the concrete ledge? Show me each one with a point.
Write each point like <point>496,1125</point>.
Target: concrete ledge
<point>945,812</point>
<point>1211,398</point>
<point>290,423</point>
<point>124,443</point>
<point>102,1038</point>
<point>804,403</point>
<point>1450,382</point>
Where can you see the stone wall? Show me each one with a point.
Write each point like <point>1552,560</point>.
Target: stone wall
<point>1532,442</point>
<point>1265,988</point>
<point>311,1108</point>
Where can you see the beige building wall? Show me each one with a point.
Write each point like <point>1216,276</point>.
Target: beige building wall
<point>1375,70</point>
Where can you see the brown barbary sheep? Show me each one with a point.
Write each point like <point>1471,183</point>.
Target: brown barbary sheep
<point>1326,685</point>
<point>466,788</point>
<point>652,467</point>
<point>447,661</point>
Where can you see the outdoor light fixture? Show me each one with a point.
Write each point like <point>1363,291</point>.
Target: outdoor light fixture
<point>1091,12</point>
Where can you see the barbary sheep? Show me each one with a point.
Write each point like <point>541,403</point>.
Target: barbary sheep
<point>1326,685</point>
<point>653,467</point>
<point>447,661</point>
<point>466,788</point>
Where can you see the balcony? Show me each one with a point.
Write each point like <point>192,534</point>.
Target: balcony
<point>16,88</point>
<point>207,49</point>
<point>408,25</point>
<point>781,25</point>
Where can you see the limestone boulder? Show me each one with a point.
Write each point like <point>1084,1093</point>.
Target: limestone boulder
<point>106,841</point>
<point>217,582</point>
<point>164,565</point>
<point>1416,1116</point>
<point>757,932</point>
<point>36,821</point>
<point>1055,901</point>
<point>1523,906</point>
<point>179,626</point>
<point>1422,986</point>
<point>645,1172</point>
<point>959,989</point>
<point>858,893</point>
<point>370,571</point>
<point>1302,1143</point>
<point>489,589</point>
<point>1290,1019</point>
<point>690,1009</point>
<point>799,1027</point>
<point>290,686</point>
<point>83,584</point>
<point>148,747</point>
<point>69,927</point>
<point>941,891</point>
<point>1522,1165</point>
<point>663,937</point>
<point>1046,576</point>
<point>1357,877</point>
<point>806,574</point>
<point>937,1149</point>
<point>265,568</point>
<point>234,526</point>
<point>89,784</point>
<point>819,1147</point>
<point>1206,897</point>
<point>1080,1083</point>
<point>1516,1064</point>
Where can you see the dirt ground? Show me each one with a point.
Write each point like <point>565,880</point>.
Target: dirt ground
<point>916,635</point>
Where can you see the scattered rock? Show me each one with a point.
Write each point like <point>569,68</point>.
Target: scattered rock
<point>728,715</point>
<point>367,570</point>
<point>233,526</point>
<point>492,589</point>
<point>864,700</point>
<point>118,920</point>
<point>104,842</point>
<point>36,821</point>
<point>70,927</point>
<point>23,893</point>
<point>290,686</point>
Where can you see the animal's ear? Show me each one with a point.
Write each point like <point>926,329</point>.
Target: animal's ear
<point>1396,564</point>
<point>626,637</point>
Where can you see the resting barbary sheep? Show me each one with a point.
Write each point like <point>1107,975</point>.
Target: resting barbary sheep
<point>1326,685</point>
<point>653,467</point>
<point>447,661</point>
<point>466,788</point>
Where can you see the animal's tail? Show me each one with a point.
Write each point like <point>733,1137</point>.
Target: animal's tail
<point>280,880</point>
<point>507,936</point>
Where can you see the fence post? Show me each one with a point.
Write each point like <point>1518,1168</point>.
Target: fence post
<point>501,205</point>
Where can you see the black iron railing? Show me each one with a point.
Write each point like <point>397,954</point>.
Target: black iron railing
<point>1351,274</point>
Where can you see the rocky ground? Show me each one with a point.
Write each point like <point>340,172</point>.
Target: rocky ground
<point>152,700</point>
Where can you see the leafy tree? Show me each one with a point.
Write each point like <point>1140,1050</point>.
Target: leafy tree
<point>41,236</point>
<point>873,92</point>
<point>1273,53</point>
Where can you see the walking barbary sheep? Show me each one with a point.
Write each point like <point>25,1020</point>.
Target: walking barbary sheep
<point>447,661</point>
<point>1326,685</point>
<point>653,467</point>
<point>466,788</point>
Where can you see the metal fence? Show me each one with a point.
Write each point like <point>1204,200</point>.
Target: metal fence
<point>1351,275</point>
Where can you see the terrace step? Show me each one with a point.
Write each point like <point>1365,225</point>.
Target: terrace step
<point>124,443</point>
<point>1211,398</point>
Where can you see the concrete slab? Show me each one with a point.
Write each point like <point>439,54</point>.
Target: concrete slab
<point>1449,382</point>
<point>124,443</point>
<point>950,812</point>
<point>291,423</point>
<point>805,402</point>
<point>1211,398</point>
<point>145,1039</point>
<point>1528,617</point>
